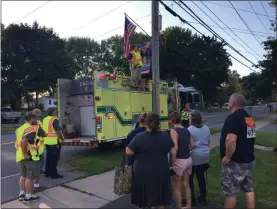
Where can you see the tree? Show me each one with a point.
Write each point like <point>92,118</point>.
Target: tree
<point>33,57</point>
<point>198,61</point>
<point>85,53</point>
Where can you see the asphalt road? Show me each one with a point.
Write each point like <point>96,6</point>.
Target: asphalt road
<point>10,169</point>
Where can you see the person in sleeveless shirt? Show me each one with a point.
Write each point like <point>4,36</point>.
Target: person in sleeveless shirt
<point>182,162</point>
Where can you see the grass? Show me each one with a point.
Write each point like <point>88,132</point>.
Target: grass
<point>256,118</point>
<point>268,139</point>
<point>215,130</point>
<point>95,162</point>
<point>264,180</point>
<point>6,128</point>
<point>274,121</point>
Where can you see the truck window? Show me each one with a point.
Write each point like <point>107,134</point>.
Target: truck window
<point>50,102</point>
<point>6,109</point>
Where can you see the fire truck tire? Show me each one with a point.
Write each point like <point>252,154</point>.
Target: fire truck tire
<point>107,145</point>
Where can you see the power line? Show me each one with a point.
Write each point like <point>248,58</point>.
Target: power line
<point>33,11</point>
<point>258,17</point>
<point>229,28</point>
<point>94,20</point>
<point>211,30</point>
<point>184,21</point>
<point>224,29</point>
<point>236,8</point>
<point>265,11</point>
<point>245,23</point>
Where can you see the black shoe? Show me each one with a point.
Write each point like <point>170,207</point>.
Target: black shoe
<point>202,201</point>
<point>194,202</point>
<point>57,176</point>
<point>31,199</point>
<point>42,171</point>
<point>21,197</point>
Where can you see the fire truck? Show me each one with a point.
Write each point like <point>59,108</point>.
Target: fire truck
<point>102,109</point>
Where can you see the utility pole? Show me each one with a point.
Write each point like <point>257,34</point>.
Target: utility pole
<point>155,58</point>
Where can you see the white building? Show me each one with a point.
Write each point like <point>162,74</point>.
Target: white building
<point>47,101</point>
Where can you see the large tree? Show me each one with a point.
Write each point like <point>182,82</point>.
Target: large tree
<point>33,57</point>
<point>196,61</point>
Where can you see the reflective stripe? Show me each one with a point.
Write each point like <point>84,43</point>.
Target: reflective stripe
<point>51,131</point>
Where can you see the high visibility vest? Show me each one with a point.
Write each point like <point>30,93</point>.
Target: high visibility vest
<point>137,59</point>
<point>52,136</point>
<point>31,148</point>
<point>185,115</point>
<point>40,144</point>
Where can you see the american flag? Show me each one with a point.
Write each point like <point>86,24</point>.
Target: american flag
<point>128,32</point>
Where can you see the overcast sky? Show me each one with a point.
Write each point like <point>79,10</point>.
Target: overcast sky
<point>81,18</point>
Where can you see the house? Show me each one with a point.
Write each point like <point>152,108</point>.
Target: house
<point>47,101</point>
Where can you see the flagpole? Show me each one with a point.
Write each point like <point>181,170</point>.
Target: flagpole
<point>137,24</point>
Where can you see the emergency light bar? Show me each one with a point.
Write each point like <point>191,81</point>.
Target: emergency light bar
<point>107,76</point>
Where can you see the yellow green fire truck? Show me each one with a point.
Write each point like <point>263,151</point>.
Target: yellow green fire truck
<point>104,108</point>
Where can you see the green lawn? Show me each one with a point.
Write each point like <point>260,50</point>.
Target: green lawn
<point>266,139</point>
<point>274,121</point>
<point>215,130</point>
<point>256,118</point>
<point>96,161</point>
<point>6,128</point>
<point>264,180</point>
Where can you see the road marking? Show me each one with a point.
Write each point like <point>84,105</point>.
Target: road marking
<point>43,205</point>
<point>208,116</point>
<point>5,177</point>
<point>6,143</point>
<point>216,125</point>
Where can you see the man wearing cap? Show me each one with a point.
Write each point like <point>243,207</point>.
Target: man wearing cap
<point>27,138</point>
<point>52,143</point>
<point>40,146</point>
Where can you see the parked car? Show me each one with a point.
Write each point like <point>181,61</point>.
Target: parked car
<point>8,115</point>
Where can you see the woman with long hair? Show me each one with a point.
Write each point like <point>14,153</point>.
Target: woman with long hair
<point>151,185</point>
<point>200,155</point>
<point>182,163</point>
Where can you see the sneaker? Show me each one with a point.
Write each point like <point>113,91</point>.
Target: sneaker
<point>21,197</point>
<point>31,199</point>
<point>202,201</point>
<point>42,171</point>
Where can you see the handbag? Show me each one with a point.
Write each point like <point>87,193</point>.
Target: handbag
<point>123,178</point>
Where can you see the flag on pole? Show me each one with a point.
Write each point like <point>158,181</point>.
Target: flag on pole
<point>128,32</point>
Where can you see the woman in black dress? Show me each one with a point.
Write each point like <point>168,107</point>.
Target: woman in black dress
<point>151,185</point>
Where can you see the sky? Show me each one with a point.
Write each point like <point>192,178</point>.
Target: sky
<point>88,19</point>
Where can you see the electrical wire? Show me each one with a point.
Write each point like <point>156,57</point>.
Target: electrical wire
<point>245,24</point>
<point>225,30</point>
<point>230,29</point>
<point>265,12</point>
<point>243,10</point>
<point>33,11</point>
<point>94,20</point>
<point>258,17</point>
<point>212,31</point>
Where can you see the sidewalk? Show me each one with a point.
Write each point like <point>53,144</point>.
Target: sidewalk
<point>94,191</point>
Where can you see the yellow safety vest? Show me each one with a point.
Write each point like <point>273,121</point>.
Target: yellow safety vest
<point>137,59</point>
<point>185,115</point>
<point>40,144</point>
<point>32,148</point>
<point>52,136</point>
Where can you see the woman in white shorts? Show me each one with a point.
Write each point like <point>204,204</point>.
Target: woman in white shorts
<point>182,162</point>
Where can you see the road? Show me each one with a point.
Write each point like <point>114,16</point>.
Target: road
<point>10,170</point>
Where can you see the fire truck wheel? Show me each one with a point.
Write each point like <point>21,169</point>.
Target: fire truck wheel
<point>107,145</point>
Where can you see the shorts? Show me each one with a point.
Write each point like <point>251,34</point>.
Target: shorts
<point>183,166</point>
<point>135,74</point>
<point>30,169</point>
<point>236,177</point>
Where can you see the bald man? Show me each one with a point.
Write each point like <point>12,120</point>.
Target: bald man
<point>41,152</point>
<point>237,153</point>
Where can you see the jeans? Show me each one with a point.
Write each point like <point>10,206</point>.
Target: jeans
<point>52,159</point>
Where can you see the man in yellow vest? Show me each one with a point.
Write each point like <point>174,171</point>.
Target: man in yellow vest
<point>52,142</point>
<point>40,146</point>
<point>135,64</point>
<point>27,155</point>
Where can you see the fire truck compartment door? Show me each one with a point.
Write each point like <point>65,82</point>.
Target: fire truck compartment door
<point>88,126</point>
